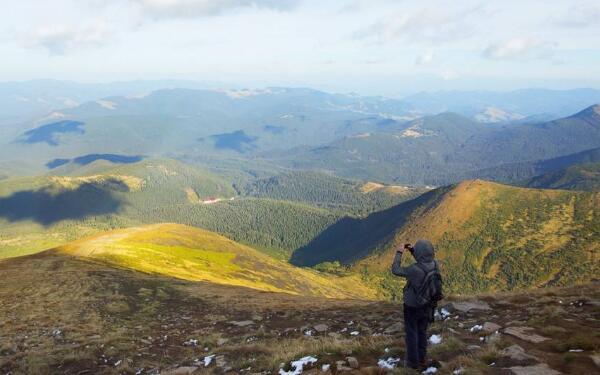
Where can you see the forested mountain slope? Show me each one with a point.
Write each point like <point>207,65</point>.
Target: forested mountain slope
<point>444,148</point>
<point>329,191</point>
<point>578,177</point>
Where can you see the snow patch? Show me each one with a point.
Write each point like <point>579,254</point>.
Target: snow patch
<point>389,363</point>
<point>298,365</point>
<point>208,360</point>
<point>435,339</point>
<point>476,328</point>
<point>430,370</point>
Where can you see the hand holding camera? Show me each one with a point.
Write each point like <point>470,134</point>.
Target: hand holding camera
<point>407,246</point>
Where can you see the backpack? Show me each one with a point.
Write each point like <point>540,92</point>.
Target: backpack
<point>429,292</point>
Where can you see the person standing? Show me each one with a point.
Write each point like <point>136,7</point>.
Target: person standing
<point>421,293</point>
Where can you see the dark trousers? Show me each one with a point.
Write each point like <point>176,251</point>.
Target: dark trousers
<point>416,320</point>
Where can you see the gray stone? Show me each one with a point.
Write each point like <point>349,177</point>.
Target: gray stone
<point>517,353</point>
<point>222,341</point>
<point>352,362</point>
<point>523,334</point>
<point>467,306</point>
<point>184,370</point>
<point>321,327</point>
<point>541,369</point>
<point>220,361</point>
<point>490,327</point>
<point>242,323</point>
<point>394,328</point>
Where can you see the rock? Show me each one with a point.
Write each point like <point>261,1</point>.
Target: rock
<point>394,328</point>
<point>184,370</point>
<point>222,341</point>
<point>321,327</point>
<point>541,369</point>
<point>469,305</point>
<point>448,307</point>
<point>596,359</point>
<point>220,361</point>
<point>490,327</point>
<point>242,323</point>
<point>522,333</point>
<point>517,353</point>
<point>352,362</point>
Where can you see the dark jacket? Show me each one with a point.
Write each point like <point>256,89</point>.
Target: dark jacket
<point>423,253</point>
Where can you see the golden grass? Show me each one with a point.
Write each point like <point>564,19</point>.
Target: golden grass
<point>195,254</point>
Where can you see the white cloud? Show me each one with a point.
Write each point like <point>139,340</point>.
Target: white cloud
<point>580,16</point>
<point>425,58</point>
<point>518,48</point>
<point>200,8</point>
<point>433,25</point>
<point>59,39</point>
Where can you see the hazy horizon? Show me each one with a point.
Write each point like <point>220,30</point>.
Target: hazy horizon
<point>378,47</point>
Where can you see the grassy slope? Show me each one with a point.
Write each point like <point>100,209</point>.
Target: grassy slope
<point>194,254</point>
<point>495,237</point>
<point>75,315</point>
<point>578,177</point>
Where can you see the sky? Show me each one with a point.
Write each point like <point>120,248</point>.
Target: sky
<point>375,47</point>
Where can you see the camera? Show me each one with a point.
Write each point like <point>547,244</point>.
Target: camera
<point>408,247</point>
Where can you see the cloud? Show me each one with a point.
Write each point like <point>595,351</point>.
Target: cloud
<point>519,48</point>
<point>435,25</point>
<point>579,16</point>
<point>202,8</point>
<point>425,58</point>
<point>60,39</point>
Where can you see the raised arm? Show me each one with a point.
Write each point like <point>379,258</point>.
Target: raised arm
<point>397,268</point>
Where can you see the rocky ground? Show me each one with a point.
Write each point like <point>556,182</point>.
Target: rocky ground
<point>73,317</point>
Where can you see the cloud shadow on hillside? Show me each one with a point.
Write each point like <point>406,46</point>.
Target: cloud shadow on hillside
<point>350,239</point>
<point>47,206</point>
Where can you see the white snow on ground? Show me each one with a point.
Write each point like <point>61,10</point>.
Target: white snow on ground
<point>435,339</point>
<point>208,360</point>
<point>444,313</point>
<point>458,371</point>
<point>325,368</point>
<point>298,365</point>
<point>354,333</point>
<point>389,363</point>
<point>430,370</point>
<point>476,328</point>
<point>576,350</point>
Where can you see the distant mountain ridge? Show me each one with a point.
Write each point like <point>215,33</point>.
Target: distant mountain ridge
<point>441,149</point>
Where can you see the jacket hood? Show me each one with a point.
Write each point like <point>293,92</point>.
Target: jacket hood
<point>423,251</point>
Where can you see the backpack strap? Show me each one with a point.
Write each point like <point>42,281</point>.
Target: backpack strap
<point>425,272</point>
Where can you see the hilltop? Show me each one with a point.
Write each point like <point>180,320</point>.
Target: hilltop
<point>488,236</point>
<point>71,312</point>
